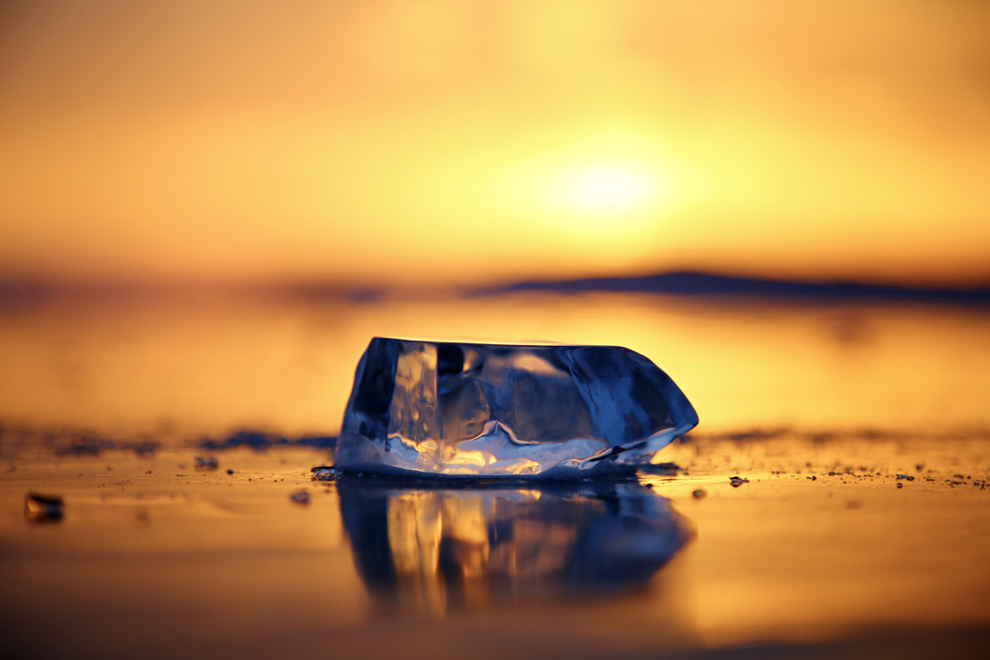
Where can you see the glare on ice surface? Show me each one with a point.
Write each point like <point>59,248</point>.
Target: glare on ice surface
<point>462,409</point>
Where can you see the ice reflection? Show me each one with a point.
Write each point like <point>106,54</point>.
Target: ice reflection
<point>435,550</point>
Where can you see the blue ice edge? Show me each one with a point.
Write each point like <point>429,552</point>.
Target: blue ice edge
<point>603,471</point>
<point>388,475</point>
<point>604,468</point>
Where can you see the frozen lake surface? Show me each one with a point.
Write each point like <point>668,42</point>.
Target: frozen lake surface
<point>863,527</point>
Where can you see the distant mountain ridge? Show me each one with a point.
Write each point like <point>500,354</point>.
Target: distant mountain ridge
<point>689,283</point>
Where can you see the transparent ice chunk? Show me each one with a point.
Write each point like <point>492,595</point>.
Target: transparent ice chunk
<point>462,409</point>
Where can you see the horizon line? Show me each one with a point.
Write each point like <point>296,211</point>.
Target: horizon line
<point>682,282</point>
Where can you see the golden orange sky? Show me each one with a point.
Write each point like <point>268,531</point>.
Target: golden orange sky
<point>442,140</point>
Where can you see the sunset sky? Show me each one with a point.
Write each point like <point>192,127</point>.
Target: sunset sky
<point>435,141</point>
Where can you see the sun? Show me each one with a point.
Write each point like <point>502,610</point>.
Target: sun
<point>609,186</point>
<point>606,187</point>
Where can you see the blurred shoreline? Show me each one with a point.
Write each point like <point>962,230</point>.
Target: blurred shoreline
<point>687,284</point>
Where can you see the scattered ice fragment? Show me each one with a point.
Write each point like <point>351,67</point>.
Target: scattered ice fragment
<point>463,410</point>
<point>905,476</point>
<point>43,508</point>
<point>300,497</point>
<point>324,473</point>
<point>699,494</point>
<point>738,481</point>
<point>207,463</point>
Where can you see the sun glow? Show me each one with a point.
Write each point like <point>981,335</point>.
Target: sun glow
<point>606,187</point>
<point>611,186</point>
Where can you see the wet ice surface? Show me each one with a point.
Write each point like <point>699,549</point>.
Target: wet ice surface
<point>638,566</point>
<point>824,553</point>
<point>463,410</point>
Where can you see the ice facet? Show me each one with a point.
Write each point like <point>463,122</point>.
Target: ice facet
<point>463,409</point>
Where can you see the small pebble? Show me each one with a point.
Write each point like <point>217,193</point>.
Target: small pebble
<point>699,494</point>
<point>300,497</point>
<point>900,485</point>
<point>738,481</point>
<point>230,472</point>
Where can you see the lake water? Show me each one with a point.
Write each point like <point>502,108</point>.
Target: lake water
<point>825,551</point>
